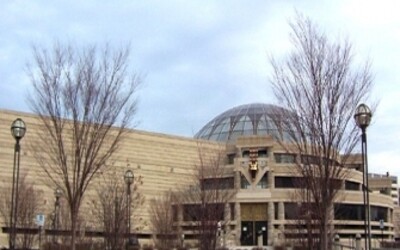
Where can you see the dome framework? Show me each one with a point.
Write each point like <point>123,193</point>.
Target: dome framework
<point>248,119</point>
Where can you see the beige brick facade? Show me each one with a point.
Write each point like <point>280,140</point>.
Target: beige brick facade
<point>167,162</point>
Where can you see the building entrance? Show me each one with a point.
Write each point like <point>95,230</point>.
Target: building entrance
<point>251,230</point>
<point>254,223</point>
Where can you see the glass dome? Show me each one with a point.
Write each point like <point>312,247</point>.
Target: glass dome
<point>249,119</point>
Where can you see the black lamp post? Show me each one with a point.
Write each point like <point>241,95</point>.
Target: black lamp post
<point>128,177</point>
<point>57,194</point>
<point>18,130</point>
<point>363,118</point>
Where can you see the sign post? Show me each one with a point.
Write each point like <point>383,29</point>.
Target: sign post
<point>40,219</point>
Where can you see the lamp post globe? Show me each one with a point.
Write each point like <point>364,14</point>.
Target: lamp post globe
<point>18,129</point>
<point>58,193</point>
<point>128,177</point>
<point>363,116</point>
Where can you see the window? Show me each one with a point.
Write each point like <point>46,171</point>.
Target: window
<point>284,158</point>
<point>384,191</point>
<point>210,212</point>
<point>190,212</point>
<point>379,213</point>
<point>351,185</point>
<point>231,158</point>
<point>291,210</point>
<point>218,183</point>
<point>244,183</point>
<point>349,212</point>
<point>316,160</point>
<point>284,182</point>
<point>276,207</point>
<point>301,182</point>
<point>309,160</point>
<point>262,153</point>
<point>233,212</point>
<point>263,183</point>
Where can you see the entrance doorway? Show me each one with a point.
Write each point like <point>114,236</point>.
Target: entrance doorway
<point>251,230</point>
<point>254,218</point>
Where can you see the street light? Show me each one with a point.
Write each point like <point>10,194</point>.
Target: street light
<point>57,194</point>
<point>363,118</point>
<point>128,177</point>
<point>18,130</point>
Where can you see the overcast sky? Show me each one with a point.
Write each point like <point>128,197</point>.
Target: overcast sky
<point>203,57</point>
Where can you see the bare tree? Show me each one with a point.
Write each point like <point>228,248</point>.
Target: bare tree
<point>304,232</point>
<point>205,202</point>
<point>29,206</point>
<point>319,87</point>
<point>163,220</point>
<point>110,209</point>
<point>80,95</point>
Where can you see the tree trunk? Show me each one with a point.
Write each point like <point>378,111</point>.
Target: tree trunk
<point>73,228</point>
<point>325,230</point>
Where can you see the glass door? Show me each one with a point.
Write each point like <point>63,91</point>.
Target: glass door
<point>250,232</point>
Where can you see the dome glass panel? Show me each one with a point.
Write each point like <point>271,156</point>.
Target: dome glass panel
<point>249,119</point>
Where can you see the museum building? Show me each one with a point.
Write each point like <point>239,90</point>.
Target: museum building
<point>256,166</point>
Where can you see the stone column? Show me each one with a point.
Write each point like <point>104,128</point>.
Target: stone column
<point>281,217</point>
<point>281,211</point>
<point>271,215</point>
<point>226,229</point>
<point>237,180</point>
<point>271,179</point>
<point>238,220</point>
